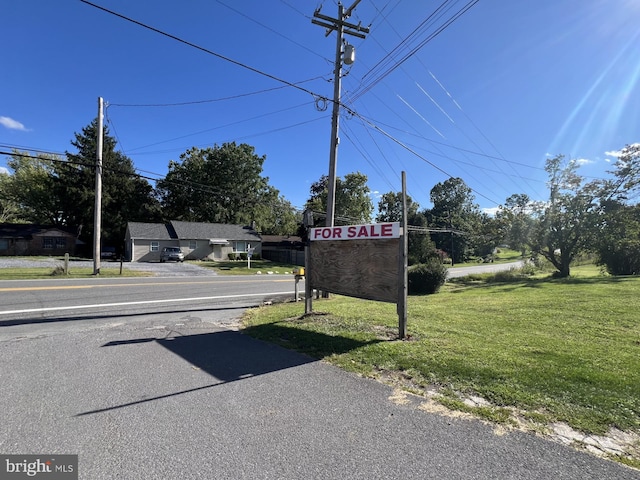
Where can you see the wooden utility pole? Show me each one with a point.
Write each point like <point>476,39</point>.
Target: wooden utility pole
<point>341,27</point>
<point>402,265</point>
<point>97,214</point>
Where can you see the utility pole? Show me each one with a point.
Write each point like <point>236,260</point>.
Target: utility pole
<point>341,27</point>
<point>97,213</point>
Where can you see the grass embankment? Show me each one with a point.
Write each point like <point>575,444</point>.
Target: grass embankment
<point>550,350</point>
<point>36,273</point>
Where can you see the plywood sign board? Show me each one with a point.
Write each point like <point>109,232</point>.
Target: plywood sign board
<point>359,261</point>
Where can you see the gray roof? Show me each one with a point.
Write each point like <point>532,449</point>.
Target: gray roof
<point>150,231</point>
<point>198,230</point>
<point>191,231</point>
<point>28,230</point>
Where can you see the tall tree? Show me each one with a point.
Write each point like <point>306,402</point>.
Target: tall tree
<point>454,209</point>
<point>219,184</point>
<point>125,196</point>
<point>27,193</point>
<point>421,248</point>
<point>275,215</point>
<point>489,233</point>
<point>618,241</point>
<point>567,222</point>
<point>353,203</point>
<point>8,207</point>
<point>517,221</point>
<point>390,207</point>
<point>627,174</point>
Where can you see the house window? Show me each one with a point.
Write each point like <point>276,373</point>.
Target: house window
<point>49,243</point>
<point>240,247</point>
<point>154,247</point>
<point>4,244</point>
<point>61,242</point>
<point>193,244</point>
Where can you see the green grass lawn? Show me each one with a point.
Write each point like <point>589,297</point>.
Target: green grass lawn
<point>36,273</point>
<point>551,350</point>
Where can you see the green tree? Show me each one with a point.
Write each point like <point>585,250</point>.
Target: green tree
<point>390,207</point>
<point>489,233</point>
<point>567,222</point>
<point>517,221</point>
<point>275,215</point>
<point>421,248</point>
<point>454,210</point>
<point>125,196</point>
<point>353,203</point>
<point>627,174</point>
<point>8,207</point>
<point>219,184</point>
<point>618,241</point>
<point>27,193</point>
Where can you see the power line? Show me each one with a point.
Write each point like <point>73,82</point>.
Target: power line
<point>375,80</point>
<point>218,127</point>
<point>83,162</point>
<point>272,30</point>
<point>202,49</point>
<point>213,100</point>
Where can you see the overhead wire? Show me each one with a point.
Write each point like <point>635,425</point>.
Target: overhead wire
<point>516,174</point>
<point>213,100</point>
<point>365,87</point>
<point>288,83</point>
<point>272,30</point>
<point>91,164</point>
<point>200,132</point>
<point>198,47</point>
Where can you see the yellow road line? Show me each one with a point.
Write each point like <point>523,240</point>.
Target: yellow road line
<point>155,284</point>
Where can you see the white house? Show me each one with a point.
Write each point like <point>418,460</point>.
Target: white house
<point>198,241</point>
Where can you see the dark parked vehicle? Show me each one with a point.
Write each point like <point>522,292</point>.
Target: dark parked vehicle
<point>108,253</point>
<point>171,254</point>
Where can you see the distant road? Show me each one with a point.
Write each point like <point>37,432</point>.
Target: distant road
<point>483,268</point>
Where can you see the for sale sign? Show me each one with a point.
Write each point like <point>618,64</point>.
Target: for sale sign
<point>356,260</point>
<point>377,231</point>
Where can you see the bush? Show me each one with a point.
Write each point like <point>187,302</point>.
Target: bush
<point>243,256</point>
<point>426,278</point>
<point>623,260</point>
<point>232,256</point>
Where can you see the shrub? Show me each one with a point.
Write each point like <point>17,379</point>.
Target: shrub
<point>232,256</point>
<point>243,256</point>
<point>426,278</point>
<point>57,271</point>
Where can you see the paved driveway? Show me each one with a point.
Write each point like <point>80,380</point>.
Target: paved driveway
<point>175,396</point>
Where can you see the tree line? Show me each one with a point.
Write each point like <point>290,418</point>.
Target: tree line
<point>225,184</point>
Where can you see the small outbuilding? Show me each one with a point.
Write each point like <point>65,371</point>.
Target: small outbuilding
<point>198,241</point>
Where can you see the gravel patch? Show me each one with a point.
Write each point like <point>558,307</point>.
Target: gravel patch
<point>158,269</point>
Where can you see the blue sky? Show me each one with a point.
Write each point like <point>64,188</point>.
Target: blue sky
<point>487,99</point>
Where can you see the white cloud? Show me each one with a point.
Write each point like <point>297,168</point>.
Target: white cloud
<point>4,170</point>
<point>613,153</point>
<point>491,211</point>
<point>12,124</point>
<point>583,161</point>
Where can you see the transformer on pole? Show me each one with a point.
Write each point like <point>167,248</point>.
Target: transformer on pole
<point>347,56</point>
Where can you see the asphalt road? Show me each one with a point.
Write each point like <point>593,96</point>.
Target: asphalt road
<point>482,268</point>
<point>177,393</point>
